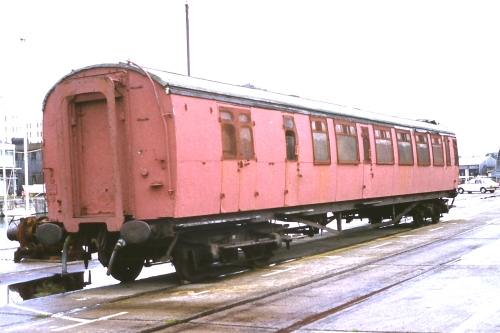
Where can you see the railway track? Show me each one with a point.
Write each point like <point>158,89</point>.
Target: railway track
<point>352,271</point>
<point>310,284</point>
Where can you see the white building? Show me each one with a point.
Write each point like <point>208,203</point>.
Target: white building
<point>14,126</point>
<point>8,181</point>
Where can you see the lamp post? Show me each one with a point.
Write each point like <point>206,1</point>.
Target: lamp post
<point>4,160</point>
<point>26,180</point>
<point>187,39</point>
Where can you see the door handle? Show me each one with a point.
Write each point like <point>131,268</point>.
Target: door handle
<point>241,164</point>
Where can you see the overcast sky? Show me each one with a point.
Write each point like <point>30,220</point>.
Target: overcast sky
<point>414,59</point>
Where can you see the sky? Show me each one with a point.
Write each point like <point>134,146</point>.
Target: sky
<point>423,59</point>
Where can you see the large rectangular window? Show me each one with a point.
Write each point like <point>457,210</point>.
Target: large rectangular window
<point>321,144</point>
<point>423,155</point>
<point>383,145</point>
<point>237,135</point>
<point>405,147</point>
<point>347,142</point>
<point>437,150</point>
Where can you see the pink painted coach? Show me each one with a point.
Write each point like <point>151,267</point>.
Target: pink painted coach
<point>145,166</point>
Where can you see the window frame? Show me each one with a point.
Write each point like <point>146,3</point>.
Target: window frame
<point>367,146</point>
<point>294,131</point>
<point>342,134</point>
<point>323,120</point>
<point>384,130</point>
<point>237,125</point>
<point>447,150</point>
<point>455,150</point>
<point>408,140</point>
<point>435,149</point>
<point>418,135</point>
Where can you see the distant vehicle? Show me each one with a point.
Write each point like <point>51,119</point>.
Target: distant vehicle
<point>464,179</point>
<point>482,185</point>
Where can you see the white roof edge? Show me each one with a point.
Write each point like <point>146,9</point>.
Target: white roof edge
<point>168,79</point>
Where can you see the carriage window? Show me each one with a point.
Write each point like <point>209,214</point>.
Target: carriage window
<point>455,151</point>
<point>228,141</point>
<point>405,149</point>
<point>347,142</point>
<point>437,150</point>
<point>447,150</point>
<point>244,118</point>
<point>367,151</point>
<point>237,138</point>
<point>423,156</point>
<point>246,143</point>
<point>290,139</point>
<point>321,146</point>
<point>383,145</point>
<point>228,136</point>
<point>224,115</point>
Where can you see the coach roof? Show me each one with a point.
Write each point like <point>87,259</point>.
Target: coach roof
<point>191,86</point>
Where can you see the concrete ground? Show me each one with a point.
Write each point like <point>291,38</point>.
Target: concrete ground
<point>439,278</point>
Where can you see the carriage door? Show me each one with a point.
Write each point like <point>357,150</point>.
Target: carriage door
<point>367,162</point>
<point>238,160</point>
<point>94,146</point>
<point>291,162</point>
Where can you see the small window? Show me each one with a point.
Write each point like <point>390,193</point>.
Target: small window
<point>367,150</point>
<point>423,156</point>
<point>225,115</point>
<point>246,143</point>
<point>383,145</point>
<point>347,142</point>
<point>237,137</point>
<point>290,138</point>
<point>244,118</point>
<point>289,123</point>
<point>228,135</point>
<point>447,150</point>
<point>455,151</point>
<point>405,148</point>
<point>321,145</point>
<point>437,150</point>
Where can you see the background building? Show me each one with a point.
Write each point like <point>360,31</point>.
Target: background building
<point>478,166</point>
<point>14,126</point>
<point>35,171</point>
<point>8,181</point>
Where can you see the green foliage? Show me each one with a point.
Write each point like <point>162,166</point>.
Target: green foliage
<point>48,288</point>
<point>43,316</point>
<point>171,321</point>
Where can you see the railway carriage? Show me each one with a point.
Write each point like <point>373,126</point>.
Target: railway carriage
<point>145,166</point>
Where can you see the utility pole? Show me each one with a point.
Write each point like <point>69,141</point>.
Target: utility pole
<point>187,38</point>
<point>26,171</point>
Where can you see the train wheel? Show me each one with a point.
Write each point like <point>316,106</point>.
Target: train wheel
<point>186,264</point>
<point>127,270</point>
<point>257,256</point>
<point>436,214</point>
<point>418,218</point>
